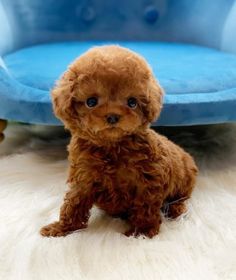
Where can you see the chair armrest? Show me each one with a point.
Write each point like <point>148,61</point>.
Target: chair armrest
<point>23,103</point>
<point>6,40</point>
<point>2,64</point>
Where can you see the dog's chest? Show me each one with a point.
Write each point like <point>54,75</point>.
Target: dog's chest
<point>123,168</point>
<point>120,175</point>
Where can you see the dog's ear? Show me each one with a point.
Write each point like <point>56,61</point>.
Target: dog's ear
<point>63,97</point>
<point>154,100</point>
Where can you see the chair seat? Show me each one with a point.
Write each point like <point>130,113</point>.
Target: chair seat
<point>200,83</point>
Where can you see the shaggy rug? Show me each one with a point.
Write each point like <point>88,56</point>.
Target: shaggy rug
<point>198,245</point>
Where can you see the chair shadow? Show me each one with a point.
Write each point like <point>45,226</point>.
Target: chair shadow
<point>213,146</point>
<point>47,142</point>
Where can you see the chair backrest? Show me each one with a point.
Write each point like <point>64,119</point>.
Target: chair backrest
<point>195,21</point>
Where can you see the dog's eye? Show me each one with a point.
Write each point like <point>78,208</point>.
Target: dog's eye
<point>91,102</point>
<point>132,102</point>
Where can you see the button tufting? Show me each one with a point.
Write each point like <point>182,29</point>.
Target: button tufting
<point>151,14</point>
<point>88,14</point>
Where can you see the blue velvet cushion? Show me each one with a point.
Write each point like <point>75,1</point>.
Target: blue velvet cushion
<point>200,83</point>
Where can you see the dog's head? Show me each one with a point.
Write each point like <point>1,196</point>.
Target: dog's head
<point>107,93</point>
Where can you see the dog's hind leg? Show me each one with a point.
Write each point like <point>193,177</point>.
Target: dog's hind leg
<point>174,205</point>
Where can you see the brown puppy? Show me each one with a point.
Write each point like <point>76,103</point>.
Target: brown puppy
<point>107,99</point>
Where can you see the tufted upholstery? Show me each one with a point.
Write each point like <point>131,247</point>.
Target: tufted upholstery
<point>39,38</point>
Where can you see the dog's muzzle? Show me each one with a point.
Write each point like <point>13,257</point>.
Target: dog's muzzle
<point>113,119</point>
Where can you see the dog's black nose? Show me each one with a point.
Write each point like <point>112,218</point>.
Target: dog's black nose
<point>112,119</point>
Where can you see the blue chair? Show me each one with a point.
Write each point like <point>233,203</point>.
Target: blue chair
<point>191,46</point>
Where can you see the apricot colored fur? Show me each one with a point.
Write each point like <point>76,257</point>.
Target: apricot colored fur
<point>126,168</point>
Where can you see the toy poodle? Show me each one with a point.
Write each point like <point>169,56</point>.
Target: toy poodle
<point>107,99</point>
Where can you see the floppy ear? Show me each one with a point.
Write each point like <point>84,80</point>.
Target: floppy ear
<point>154,103</point>
<point>63,98</point>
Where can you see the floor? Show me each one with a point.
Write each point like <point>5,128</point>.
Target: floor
<point>198,245</point>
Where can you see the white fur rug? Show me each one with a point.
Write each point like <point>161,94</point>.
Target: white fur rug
<point>200,245</point>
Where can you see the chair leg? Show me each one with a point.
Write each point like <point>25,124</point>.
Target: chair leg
<point>3,125</point>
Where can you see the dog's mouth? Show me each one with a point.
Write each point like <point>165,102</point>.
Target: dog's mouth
<point>112,129</point>
<point>112,132</point>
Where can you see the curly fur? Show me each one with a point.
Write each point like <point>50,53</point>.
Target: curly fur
<point>126,168</point>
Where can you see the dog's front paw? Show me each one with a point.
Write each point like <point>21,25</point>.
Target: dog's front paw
<point>54,229</point>
<point>148,231</point>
